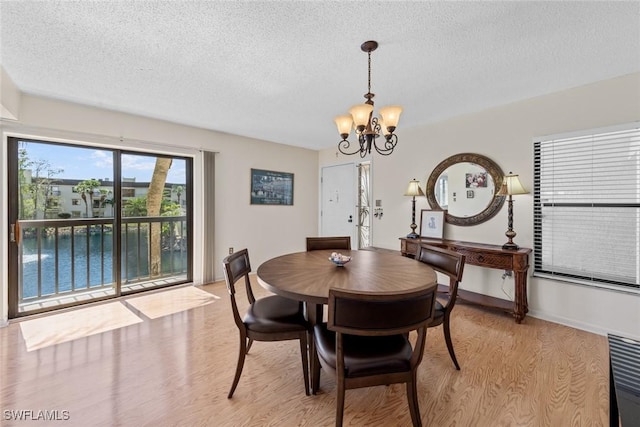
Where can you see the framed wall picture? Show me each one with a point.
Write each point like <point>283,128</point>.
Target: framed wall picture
<point>476,179</point>
<point>432,223</point>
<point>271,188</point>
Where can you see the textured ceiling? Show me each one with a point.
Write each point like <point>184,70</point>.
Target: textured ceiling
<point>281,70</point>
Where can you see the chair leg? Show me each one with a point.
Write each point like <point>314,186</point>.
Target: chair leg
<point>314,315</point>
<point>314,366</point>
<point>412,398</point>
<point>242,353</point>
<point>305,361</point>
<point>249,345</point>
<point>447,338</point>
<point>339,401</point>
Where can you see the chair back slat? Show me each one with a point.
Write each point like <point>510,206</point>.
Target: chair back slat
<point>236,265</point>
<point>446,262</point>
<point>358,313</point>
<point>442,260</point>
<point>323,243</point>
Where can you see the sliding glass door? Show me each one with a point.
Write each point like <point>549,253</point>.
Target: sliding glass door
<point>154,223</point>
<point>91,223</point>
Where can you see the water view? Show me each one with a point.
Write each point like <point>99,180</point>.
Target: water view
<point>77,273</point>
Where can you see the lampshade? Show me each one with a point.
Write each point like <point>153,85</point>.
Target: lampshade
<point>390,115</point>
<point>361,113</point>
<point>414,188</point>
<point>344,124</point>
<point>511,185</point>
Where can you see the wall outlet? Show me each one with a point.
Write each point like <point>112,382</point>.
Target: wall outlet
<point>230,251</point>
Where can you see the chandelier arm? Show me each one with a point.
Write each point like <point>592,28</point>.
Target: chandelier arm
<point>343,147</point>
<point>389,144</point>
<point>375,126</point>
<point>365,145</point>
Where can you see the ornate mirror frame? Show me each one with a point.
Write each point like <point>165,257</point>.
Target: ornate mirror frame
<point>490,166</point>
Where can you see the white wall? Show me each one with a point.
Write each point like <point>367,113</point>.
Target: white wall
<point>505,135</point>
<point>266,231</point>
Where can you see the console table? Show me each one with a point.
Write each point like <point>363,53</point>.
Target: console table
<point>489,256</point>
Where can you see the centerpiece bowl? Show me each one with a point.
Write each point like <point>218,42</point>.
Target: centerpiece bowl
<point>339,259</point>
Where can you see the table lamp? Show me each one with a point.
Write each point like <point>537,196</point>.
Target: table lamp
<point>511,185</point>
<point>413,190</point>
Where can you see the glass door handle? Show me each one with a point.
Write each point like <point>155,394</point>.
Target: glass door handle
<point>14,234</point>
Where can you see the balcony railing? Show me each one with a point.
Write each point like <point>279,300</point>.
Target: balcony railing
<point>63,258</point>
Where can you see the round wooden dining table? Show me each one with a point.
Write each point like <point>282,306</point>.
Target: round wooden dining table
<point>308,276</point>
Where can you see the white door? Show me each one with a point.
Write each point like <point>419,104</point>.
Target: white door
<point>338,215</point>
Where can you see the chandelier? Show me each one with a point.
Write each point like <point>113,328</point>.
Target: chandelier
<point>368,127</point>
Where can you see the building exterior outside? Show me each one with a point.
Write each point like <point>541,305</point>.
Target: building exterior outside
<point>64,201</point>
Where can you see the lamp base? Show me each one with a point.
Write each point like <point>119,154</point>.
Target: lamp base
<point>510,246</point>
<point>413,236</point>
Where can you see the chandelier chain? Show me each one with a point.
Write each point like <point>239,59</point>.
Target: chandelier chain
<point>369,87</point>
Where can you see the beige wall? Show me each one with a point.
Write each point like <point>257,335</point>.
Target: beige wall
<point>265,230</point>
<point>9,97</point>
<point>505,135</point>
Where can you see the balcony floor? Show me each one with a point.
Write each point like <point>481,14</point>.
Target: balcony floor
<point>60,300</point>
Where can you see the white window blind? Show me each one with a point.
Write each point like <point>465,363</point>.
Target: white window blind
<point>587,208</point>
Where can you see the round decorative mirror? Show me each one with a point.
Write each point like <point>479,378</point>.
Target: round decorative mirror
<point>466,186</point>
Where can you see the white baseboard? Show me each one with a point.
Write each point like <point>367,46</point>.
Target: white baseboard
<point>596,329</point>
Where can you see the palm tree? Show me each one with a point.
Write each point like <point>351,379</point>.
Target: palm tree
<point>178,189</point>
<point>136,206</point>
<point>106,199</point>
<point>88,186</point>
<point>154,202</point>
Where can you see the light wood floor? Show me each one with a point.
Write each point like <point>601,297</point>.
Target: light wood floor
<point>176,370</point>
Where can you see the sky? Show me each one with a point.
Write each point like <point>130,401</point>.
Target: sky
<point>86,163</point>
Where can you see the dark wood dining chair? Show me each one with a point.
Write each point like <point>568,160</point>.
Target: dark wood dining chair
<point>272,318</point>
<point>321,243</point>
<point>366,341</point>
<point>316,244</point>
<point>451,264</point>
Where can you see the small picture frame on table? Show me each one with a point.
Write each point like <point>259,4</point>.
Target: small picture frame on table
<point>432,223</point>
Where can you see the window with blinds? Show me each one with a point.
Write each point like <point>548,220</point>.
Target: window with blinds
<point>587,208</point>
